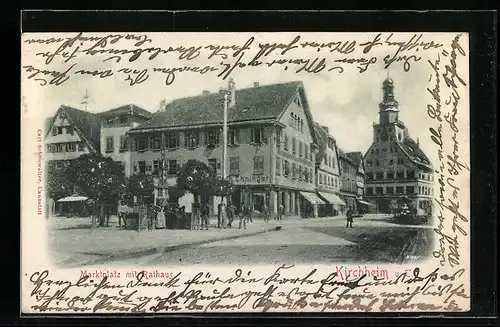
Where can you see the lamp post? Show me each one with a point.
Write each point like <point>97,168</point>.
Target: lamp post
<point>225,93</point>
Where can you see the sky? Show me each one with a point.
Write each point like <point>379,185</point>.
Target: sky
<point>345,102</point>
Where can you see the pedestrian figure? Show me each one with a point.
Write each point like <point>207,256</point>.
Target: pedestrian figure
<point>121,214</point>
<point>204,216</point>
<point>265,212</point>
<point>151,216</point>
<point>230,215</point>
<point>349,217</point>
<point>249,213</point>
<point>243,217</point>
<point>281,211</point>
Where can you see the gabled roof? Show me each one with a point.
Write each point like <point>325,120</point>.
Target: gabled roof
<point>126,109</point>
<point>254,103</point>
<point>414,153</point>
<point>356,157</point>
<point>322,139</point>
<point>48,123</point>
<point>86,122</point>
<point>344,156</point>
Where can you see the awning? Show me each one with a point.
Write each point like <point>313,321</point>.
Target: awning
<point>312,197</point>
<point>332,198</point>
<point>366,203</point>
<point>73,199</point>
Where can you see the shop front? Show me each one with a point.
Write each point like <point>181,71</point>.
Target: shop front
<point>333,204</point>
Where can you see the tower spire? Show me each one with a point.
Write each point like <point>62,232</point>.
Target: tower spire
<point>86,98</point>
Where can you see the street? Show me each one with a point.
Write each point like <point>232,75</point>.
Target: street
<point>374,239</point>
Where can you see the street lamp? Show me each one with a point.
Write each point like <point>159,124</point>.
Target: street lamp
<point>226,94</point>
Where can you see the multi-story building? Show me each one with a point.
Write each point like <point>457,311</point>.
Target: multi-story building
<point>348,181</point>
<point>357,158</point>
<point>327,172</point>
<point>395,166</point>
<point>270,140</point>
<point>71,133</point>
<point>113,138</point>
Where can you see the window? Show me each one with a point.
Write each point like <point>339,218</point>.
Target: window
<point>149,167</point>
<point>278,166</point>
<point>391,162</point>
<point>306,151</point>
<point>278,137</point>
<point>400,161</point>
<point>410,174</point>
<point>294,170</point>
<point>389,189</point>
<point>377,163</point>
<point>369,190</point>
<point>299,171</point>
<point>81,146</point>
<point>156,167</point>
<point>400,174</point>
<point>59,130</point>
<point>410,190</point>
<point>286,166</point>
<point>71,147</point>
<point>173,167</point>
<point>233,137</point>
<point>173,140</point>
<point>390,175</point>
<point>258,165</point>
<point>69,130</point>
<point>368,163</point>
<point>379,175</point>
<point>311,175</point>
<point>123,143</point>
<point>54,131</point>
<point>121,164</point>
<point>212,163</point>
<point>142,143</point>
<point>379,190</point>
<point>257,135</point>
<point>123,120</point>
<point>234,165</point>
<point>191,139</point>
<point>306,174</point>
<point>300,149</point>
<point>109,144</point>
<point>285,142</point>
<point>142,167</point>
<point>320,179</point>
<point>156,142</point>
<point>399,189</point>
<point>294,145</point>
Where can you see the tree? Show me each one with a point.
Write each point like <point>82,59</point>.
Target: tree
<point>99,178</point>
<point>141,185</point>
<point>58,184</point>
<point>199,179</point>
<point>175,193</point>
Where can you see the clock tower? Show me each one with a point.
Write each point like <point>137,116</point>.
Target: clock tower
<point>389,106</point>
<point>390,128</point>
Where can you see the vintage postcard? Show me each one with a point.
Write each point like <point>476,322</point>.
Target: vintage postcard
<point>245,172</point>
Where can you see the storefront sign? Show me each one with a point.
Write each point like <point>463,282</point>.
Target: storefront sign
<point>254,179</point>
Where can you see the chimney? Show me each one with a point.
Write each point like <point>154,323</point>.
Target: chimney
<point>325,128</point>
<point>162,104</point>
<point>255,84</point>
<point>231,87</point>
<point>418,143</point>
<point>206,92</point>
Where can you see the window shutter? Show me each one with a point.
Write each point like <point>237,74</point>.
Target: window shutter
<point>236,136</point>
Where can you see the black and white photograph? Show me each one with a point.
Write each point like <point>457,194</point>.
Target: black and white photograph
<point>304,166</point>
